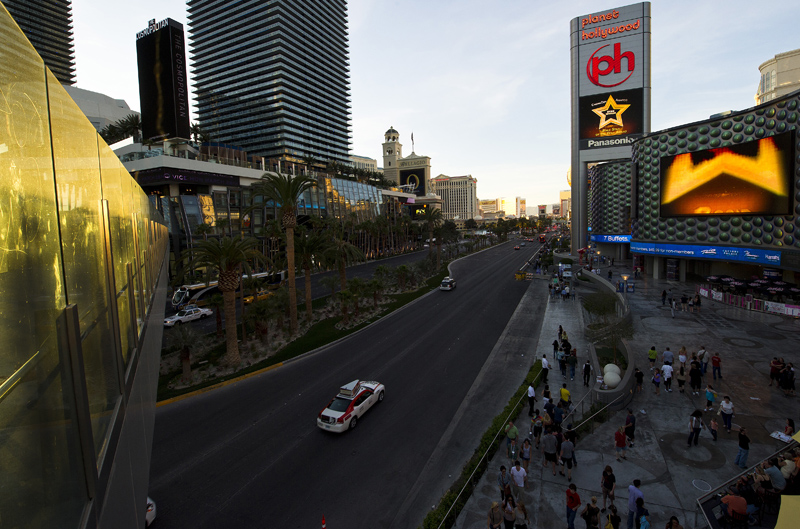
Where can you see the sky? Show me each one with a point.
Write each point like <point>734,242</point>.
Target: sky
<point>485,86</point>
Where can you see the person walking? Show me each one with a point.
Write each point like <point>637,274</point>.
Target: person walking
<point>704,357</point>
<point>560,333</point>
<point>531,398</point>
<point>695,425</point>
<point>652,355</point>
<point>642,515</point>
<point>775,367</point>
<point>657,381</point>
<point>512,451</point>
<point>716,366</point>
<point>567,453</point>
<point>710,396</point>
<point>504,481</point>
<point>537,421</point>
<point>695,378</point>
<point>512,432</point>
<point>509,512</point>
<point>663,297</point>
<point>639,376</point>
<point>565,396</point>
<point>549,449</point>
<point>545,369</point>
<point>591,514</point>
<point>608,484</point>
<point>682,356</point>
<point>620,443</point>
<point>522,520</point>
<point>684,302</point>
<point>519,478</point>
<point>573,502</point>
<point>666,370</point>
<point>525,454</point>
<point>680,376</point>
<point>713,427</point>
<point>495,519</point>
<point>633,494</point>
<point>697,302</point>
<point>556,345</point>
<point>667,357</point>
<point>744,449</point>
<point>572,361</point>
<point>562,362</point>
<point>726,410</point>
<point>587,372</point>
<point>630,427</point>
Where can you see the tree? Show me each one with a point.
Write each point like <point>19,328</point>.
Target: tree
<point>131,126</point>
<point>228,257</point>
<point>286,191</point>
<point>345,297</point>
<point>330,282</point>
<point>375,288</point>
<point>186,340</point>
<point>357,286</point>
<point>471,224</point>
<point>307,247</point>
<point>342,253</point>
<point>432,217</point>
<point>195,131</point>
<point>260,313</point>
<point>217,302</point>
<point>204,230</point>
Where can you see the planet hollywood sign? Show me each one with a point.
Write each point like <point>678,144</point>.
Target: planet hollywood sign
<point>606,32</point>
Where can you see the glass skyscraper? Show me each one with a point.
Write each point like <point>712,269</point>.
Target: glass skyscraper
<point>273,76</point>
<point>48,25</point>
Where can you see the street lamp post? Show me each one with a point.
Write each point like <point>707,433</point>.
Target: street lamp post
<point>625,285</point>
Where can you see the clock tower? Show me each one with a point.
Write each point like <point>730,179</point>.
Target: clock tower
<point>392,152</point>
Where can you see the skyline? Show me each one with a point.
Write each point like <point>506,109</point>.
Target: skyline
<point>497,108</point>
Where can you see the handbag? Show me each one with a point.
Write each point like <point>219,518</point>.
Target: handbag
<point>643,523</point>
<point>608,524</point>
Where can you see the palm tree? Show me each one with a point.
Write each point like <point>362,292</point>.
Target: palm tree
<point>375,287</point>
<point>204,230</point>
<point>185,339</point>
<point>357,286</point>
<point>286,191</point>
<point>308,247</point>
<point>131,125</point>
<point>222,224</point>
<point>195,131</point>
<point>260,313</point>
<point>432,219</point>
<point>229,257</point>
<point>345,297</point>
<point>342,253</point>
<point>330,282</point>
<point>217,302</point>
<point>310,161</point>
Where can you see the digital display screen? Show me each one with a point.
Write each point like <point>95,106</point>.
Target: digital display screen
<point>605,119</point>
<point>724,253</point>
<point>753,178</point>
<point>416,177</point>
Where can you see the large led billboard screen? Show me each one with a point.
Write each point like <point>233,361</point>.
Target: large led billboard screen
<point>753,178</point>
<point>415,177</point>
<point>163,86</point>
<point>605,118</point>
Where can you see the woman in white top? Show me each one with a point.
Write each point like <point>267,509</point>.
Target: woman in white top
<point>726,410</point>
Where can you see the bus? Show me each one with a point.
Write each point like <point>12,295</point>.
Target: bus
<point>542,238</point>
<point>198,293</point>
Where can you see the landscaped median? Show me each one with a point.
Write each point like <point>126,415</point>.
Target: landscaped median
<point>445,514</point>
<point>318,335</point>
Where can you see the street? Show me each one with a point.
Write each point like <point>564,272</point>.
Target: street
<point>250,454</point>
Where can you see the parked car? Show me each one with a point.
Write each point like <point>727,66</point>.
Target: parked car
<point>448,283</point>
<point>349,405</point>
<point>187,315</point>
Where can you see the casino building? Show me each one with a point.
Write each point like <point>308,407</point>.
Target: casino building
<point>719,196</point>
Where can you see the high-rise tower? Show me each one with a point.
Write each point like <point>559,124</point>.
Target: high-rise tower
<point>272,76</point>
<point>48,25</point>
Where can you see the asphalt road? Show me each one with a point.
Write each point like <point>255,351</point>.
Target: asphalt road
<point>250,454</point>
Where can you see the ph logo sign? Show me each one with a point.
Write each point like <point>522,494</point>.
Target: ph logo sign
<point>600,66</point>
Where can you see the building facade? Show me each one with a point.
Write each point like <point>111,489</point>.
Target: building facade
<point>100,109</point>
<point>459,196</point>
<point>779,76</point>
<point>364,163</point>
<point>488,205</point>
<point>48,25</point>
<point>273,77</point>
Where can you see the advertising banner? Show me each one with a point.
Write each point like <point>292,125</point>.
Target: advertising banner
<point>721,253</point>
<point>416,177</point>
<point>608,120</point>
<point>610,238</point>
<point>170,175</point>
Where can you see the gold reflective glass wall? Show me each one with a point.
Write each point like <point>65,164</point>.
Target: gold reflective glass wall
<point>81,248</point>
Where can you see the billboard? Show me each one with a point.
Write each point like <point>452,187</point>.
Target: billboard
<point>610,119</point>
<point>415,177</point>
<point>610,238</point>
<point>542,210</point>
<point>723,253</point>
<point>172,175</point>
<point>752,178</point>
<point>163,86</point>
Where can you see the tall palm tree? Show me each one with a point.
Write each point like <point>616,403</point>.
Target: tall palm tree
<point>217,302</point>
<point>204,230</point>
<point>307,248</point>
<point>286,191</point>
<point>342,253</point>
<point>195,131</point>
<point>229,257</point>
<point>186,340</point>
<point>131,125</point>
<point>432,218</point>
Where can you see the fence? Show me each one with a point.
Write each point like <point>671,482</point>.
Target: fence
<point>748,301</point>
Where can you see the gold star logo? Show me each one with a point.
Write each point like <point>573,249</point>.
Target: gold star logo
<point>611,113</point>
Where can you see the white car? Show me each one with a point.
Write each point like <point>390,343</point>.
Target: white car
<point>150,515</point>
<point>349,405</point>
<point>448,283</point>
<point>186,315</point>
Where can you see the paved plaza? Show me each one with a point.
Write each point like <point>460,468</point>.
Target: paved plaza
<point>672,474</point>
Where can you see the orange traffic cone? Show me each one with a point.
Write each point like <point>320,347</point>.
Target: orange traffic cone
<point>323,522</point>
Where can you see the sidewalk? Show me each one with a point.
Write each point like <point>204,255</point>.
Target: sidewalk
<point>673,476</point>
